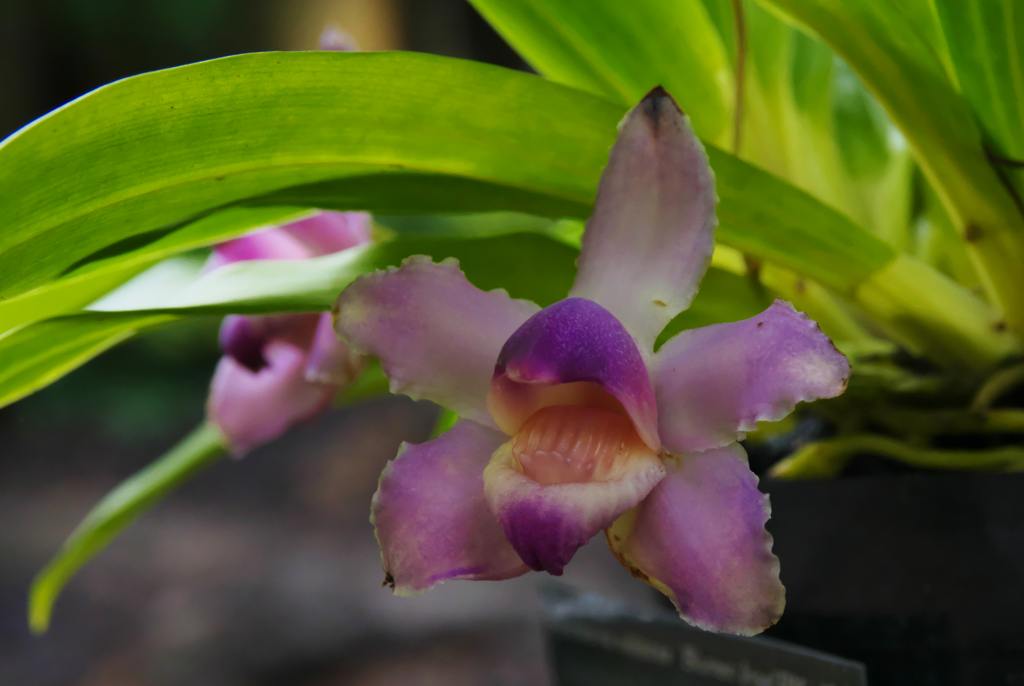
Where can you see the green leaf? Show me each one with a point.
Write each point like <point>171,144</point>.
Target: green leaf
<point>260,286</point>
<point>986,44</point>
<point>621,50</point>
<point>380,131</point>
<point>105,270</point>
<point>787,127</point>
<point>465,225</point>
<point>116,511</point>
<point>791,227</point>
<point>387,132</point>
<point>36,355</point>
<point>901,56</point>
<point>396,131</point>
<point>723,297</point>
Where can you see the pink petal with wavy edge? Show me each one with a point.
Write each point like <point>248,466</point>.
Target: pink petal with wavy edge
<point>255,408</point>
<point>649,241</point>
<point>699,538</point>
<point>330,232</point>
<point>566,476</point>
<point>717,382</point>
<point>571,342</point>
<point>431,518</point>
<point>436,334</point>
<point>330,360</point>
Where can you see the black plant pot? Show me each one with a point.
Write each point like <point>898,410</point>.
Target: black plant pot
<point>921,577</point>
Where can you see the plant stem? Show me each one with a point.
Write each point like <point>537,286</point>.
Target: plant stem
<point>118,509</point>
<point>828,458</point>
<point>934,317</point>
<point>996,385</point>
<point>932,423</point>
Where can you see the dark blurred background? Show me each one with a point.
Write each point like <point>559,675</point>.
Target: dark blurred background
<point>52,51</point>
<point>263,571</point>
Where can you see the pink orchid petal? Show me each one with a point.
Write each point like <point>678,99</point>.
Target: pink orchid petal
<point>547,522</point>
<point>431,518</point>
<point>330,232</point>
<point>243,336</point>
<point>574,340</point>
<point>268,244</point>
<point>649,241</point>
<point>255,408</point>
<point>699,538</point>
<point>718,381</point>
<point>330,361</point>
<point>436,334</point>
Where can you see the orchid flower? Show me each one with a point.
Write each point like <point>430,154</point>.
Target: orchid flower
<point>570,422</point>
<point>283,369</point>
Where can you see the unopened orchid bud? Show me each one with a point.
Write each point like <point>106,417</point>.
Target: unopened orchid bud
<point>279,370</point>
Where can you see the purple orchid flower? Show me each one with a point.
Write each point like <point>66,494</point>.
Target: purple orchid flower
<point>570,422</point>
<point>283,369</point>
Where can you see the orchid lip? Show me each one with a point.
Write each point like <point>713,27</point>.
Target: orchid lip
<point>513,403</point>
<point>572,444</point>
<point>572,353</point>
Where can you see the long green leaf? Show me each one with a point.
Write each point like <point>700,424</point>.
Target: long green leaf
<point>398,132</point>
<point>116,511</point>
<point>789,225</point>
<point>623,49</point>
<point>510,261</point>
<point>403,132</point>
<point>986,44</point>
<point>38,354</point>
<point>109,268</point>
<point>379,131</point>
<point>902,58</point>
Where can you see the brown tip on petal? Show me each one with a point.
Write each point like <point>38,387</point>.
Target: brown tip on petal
<point>657,104</point>
<point>657,99</point>
<point>388,580</point>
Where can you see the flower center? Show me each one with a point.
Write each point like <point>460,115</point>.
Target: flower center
<point>562,444</point>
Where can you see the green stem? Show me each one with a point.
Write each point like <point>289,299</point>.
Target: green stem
<point>935,317</point>
<point>996,385</point>
<point>925,423</point>
<point>118,509</point>
<point>828,458</point>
